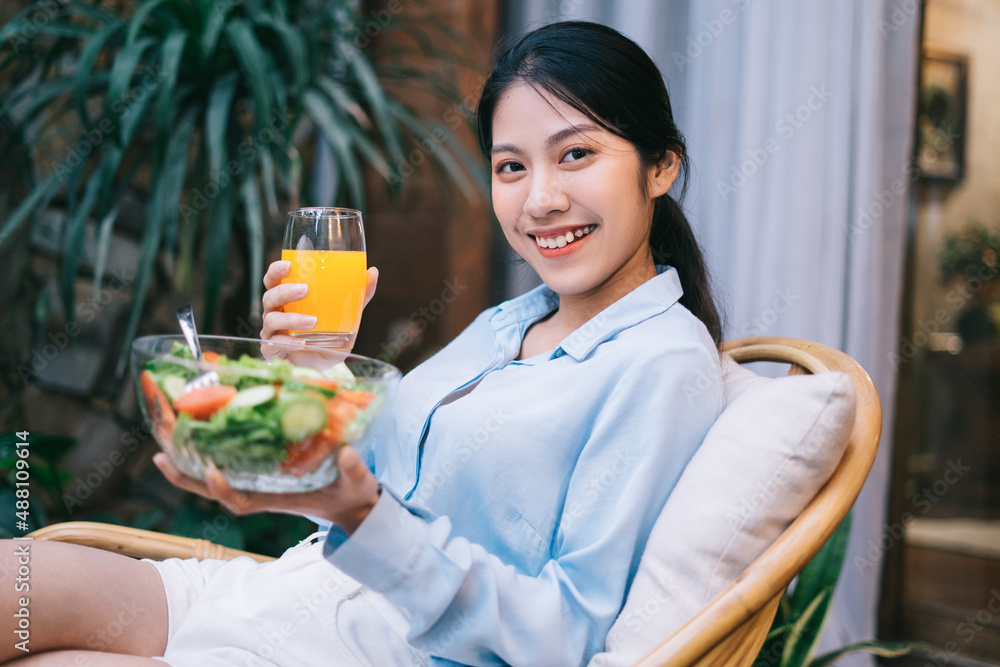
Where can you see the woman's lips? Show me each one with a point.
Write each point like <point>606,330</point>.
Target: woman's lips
<point>557,243</point>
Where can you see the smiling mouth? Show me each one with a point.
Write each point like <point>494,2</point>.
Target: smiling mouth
<point>565,239</point>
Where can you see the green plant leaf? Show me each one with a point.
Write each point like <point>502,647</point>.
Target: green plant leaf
<point>49,447</point>
<point>136,110</point>
<point>168,183</point>
<point>293,45</point>
<point>823,570</point>
<point>73,243</point>
<point>203,524</point>
<point>269,182</point>
<point>331,124</point>
<point>247,50</point>
<point>142,12</point>
<point>882,649</point>
<point>118,98</point>
<point>111,197</point>
<point>253,221</point>
<point>802,637</point>
<point>36,97</point>
<point>167,104</point>
<point>217,14</point>
<point>17,24</point>
<point>217,114</point>
<point>103,243</point>
<point>375,95</point>
<point>84,66</point>
<point>147,520</point>
<point>35,202</point>
<point>441,154</point>
<point>55,29</point>
<point>217,248</point>
<point>94,12</point>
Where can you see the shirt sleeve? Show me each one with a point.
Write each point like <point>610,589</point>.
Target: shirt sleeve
<point>466,605</point>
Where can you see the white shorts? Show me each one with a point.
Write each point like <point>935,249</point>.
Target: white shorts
<point>299,610</point>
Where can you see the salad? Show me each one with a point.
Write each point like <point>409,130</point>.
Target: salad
<point>263,417</point>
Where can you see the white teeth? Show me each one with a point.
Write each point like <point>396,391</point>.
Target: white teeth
<point>563,240</point>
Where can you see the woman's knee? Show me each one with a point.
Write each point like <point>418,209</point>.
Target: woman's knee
<point>66,596</point>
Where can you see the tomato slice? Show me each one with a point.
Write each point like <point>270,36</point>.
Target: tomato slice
<point>211,357</point>
<point>159,406</point>
<point>203,402</point>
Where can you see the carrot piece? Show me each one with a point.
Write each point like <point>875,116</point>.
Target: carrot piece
<point>339,414</point>
<point>357,397</point>
<point>159,406</point>
<point>204,402</point>
<point>322,383</point>
<point>211,357</point>
<point>306,456</point>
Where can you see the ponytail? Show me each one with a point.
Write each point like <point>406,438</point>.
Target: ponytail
<point>672,242</point>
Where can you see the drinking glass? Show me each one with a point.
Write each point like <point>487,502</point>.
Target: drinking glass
<point>326,248</point>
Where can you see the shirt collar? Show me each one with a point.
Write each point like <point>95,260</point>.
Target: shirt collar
<point>512,318</point>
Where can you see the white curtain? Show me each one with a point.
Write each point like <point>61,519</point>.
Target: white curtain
<point>799,118</point>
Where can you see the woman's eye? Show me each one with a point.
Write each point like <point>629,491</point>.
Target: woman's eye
<point>575,154</point>
<point>509,167</point>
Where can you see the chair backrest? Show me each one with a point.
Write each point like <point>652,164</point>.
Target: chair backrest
<point>731,629</point>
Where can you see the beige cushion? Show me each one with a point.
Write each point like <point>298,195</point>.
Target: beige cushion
<point>772,448</point>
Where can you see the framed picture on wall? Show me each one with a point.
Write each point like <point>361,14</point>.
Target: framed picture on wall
<point>941,109</point>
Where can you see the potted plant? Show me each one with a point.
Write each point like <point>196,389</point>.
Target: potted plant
<point>970,260</point>
<point>206,107</point>
<point>803,609</point>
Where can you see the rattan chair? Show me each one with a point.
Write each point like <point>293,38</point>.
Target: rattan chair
<point>731,629</point>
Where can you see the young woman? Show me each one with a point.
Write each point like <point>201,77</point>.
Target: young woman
<point>522,467</point>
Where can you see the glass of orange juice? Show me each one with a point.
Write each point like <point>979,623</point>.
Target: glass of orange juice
<point>326,248</point>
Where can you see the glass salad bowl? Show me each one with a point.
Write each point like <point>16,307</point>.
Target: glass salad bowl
<point>276,418</point>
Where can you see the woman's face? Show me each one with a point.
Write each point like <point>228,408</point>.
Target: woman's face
<point>568,197</point>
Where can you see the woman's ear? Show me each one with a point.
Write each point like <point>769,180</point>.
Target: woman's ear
<point>663,174</point>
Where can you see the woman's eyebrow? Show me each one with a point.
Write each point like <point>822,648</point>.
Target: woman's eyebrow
<point>551,141</point>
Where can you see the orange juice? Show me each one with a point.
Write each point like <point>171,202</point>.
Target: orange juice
<point>336,280</point>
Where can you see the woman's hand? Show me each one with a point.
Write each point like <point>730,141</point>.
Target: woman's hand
<point>277,321</point>
<point>346,502</point>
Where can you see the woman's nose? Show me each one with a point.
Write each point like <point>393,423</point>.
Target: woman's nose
<point>546,195</point>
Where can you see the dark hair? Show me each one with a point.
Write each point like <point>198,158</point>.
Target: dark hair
<point>608,77</point>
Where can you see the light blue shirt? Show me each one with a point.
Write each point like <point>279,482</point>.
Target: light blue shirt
<point>518,495</point>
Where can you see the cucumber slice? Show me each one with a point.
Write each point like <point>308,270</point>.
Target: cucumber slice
<point>173,386</point>
<point>301,417</point>
<point>340,372</point>
<point>302,372</point>
<point>248,398</point>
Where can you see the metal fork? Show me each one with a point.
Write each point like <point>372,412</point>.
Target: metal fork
<point>185,317</point>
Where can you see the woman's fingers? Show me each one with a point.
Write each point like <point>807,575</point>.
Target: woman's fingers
<point>372,281</point>
<point>276,322</point>
<point>278,295</point>
<point>179,479</point>
<point>281,295</point>
<point>276,272</point>
<point>352,468</point>
<point>237,502</point>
